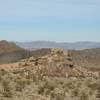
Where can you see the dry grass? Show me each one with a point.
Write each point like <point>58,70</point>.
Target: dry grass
<point>18,86</point>
<point>47,81</point>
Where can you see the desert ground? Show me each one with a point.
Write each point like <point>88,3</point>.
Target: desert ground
<point>53,76</point>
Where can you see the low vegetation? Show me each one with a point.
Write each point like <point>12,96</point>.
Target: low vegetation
<point>50,77</point>
<point>28,86</point>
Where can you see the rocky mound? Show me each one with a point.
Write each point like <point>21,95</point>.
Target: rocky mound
<point>57,63</point>
<point>49,62</point>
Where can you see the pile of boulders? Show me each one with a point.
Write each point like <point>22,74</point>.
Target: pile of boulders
<point>57,63</point>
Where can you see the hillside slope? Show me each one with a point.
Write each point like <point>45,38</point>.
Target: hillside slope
<point>89,58</point>
<point>10,52</point>
<point>7,47</point>
<point>49,77</point>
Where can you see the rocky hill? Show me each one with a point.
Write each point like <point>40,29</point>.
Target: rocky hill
<point>7,47</point>
<point>89,58</point>
<point>57,64</point>
<point>10,52</point>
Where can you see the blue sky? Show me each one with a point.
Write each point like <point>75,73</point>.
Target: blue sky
<point>53,20</point>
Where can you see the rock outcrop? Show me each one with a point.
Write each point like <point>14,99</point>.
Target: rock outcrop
<point>57,63</point>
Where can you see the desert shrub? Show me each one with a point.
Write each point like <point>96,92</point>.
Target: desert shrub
<point>60,97</point>
<point>57,94</point>
<point>3,72</point>
<point>84,96</point>
<point>49,86</point>
<point>46,88</point>
<point>6,89</point>
<point>84,93</point>
<point>91,93</point>
<point>75,92</point>
<point>98,91</point>
<point>1,99</point>
<point>92,85</point>
<point>21,84</point>
<point>41,90</point>
<point>70,85</point>
<point>1,78</point>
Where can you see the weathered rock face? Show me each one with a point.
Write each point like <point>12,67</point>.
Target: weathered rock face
<point>57,63</point>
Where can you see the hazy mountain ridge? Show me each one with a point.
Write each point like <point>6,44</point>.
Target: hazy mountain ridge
<point>63,45</point>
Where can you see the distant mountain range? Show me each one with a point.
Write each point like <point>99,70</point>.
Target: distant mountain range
<point>65,45</point>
